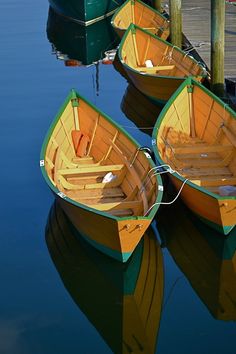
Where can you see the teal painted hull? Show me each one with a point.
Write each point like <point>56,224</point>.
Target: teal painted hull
<point>121,257</point>
<point>223,230</point>
<point>85,11</point>
<point>86,44</point>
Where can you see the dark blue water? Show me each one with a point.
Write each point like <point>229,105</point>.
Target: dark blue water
<point>37,313</point>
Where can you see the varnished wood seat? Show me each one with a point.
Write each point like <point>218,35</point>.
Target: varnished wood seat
<point>200,149</point>
<point>155,69</point>
<point>84,169</point>
<point>214,181</point>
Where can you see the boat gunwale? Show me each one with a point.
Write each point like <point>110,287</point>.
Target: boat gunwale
<point>133,26</point>
<point>142,3</point>
<point>188,81</point>
<point>74,94</point>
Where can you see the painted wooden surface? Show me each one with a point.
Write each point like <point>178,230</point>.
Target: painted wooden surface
<point>85,12</point>
<point>168,65</point>
<point>83,145</point>
<point>196,137</point>
<point>142,15</point>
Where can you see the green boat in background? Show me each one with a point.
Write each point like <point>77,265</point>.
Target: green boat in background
<point>78,45</point>
<point>85,12</point>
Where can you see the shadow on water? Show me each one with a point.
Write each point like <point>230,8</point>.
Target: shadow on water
<point>139,109</point>
<point>123,301</point>
<point>79,45</point>
<point>207,258</point>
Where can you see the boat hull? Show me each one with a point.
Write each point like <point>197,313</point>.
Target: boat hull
<point>194,140</point>
<point>84,11</point>
<point>111,215</point>
<point>155,66</point>
<point>86,44</point>
<point>158,89</point>
<point>145,16</point>
<point>220,214</point>
<point>106,234</point>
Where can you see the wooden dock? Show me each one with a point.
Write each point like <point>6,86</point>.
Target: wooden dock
<point>196,17</point>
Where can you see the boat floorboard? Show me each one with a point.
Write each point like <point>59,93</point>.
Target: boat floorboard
<point>96,193</point>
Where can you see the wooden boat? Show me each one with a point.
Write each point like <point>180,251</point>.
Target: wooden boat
<point>85,12</point>
<point>154,66</point>
<point>207,259</point>
<point>122,301</point>
<point>102,178</point>
<point>196,136</point>
<point>142,15</point>
<point>78,44</point>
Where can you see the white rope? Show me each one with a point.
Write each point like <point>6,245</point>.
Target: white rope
<point>170,170</point>
<point>168,203</point>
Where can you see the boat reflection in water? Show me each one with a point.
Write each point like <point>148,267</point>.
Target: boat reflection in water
<point>139,109</point>
<point>78,45</point>
<point>207,259</point>
<point>122,301</point>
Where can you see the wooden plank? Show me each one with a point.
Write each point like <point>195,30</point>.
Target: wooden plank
<point>196,27</point>
<point>221,171</point>
<point>95,193</point>
<point>95,181</point>
<point>82,159</point>
<point>199,149</point>
<point>90,169</point>
<point>83,184</point>
<point>217,181</point>
<point>117,206</point>
<point>198,163</point>
<point>154,69</point>
<point>181,68</point>
<point>93,134</point>
<point>127,212</point>
<point>90,201</point>
<point>230,135</point>
<point>134,175</point>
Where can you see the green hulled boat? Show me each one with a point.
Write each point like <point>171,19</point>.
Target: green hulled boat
<point>79,45</point>
<point>85,12</point>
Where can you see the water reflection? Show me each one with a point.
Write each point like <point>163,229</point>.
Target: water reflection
<point>79,45</point>
<point>122,301</point>
<point>139,109</point>
<point>207,258</point>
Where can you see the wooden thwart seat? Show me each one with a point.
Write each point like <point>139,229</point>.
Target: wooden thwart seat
<point>87,182</point>
<point>82,160</point>
<point>154,69</point>
<point>214,181</point>
<point>200,149</point>
<point>203,172</point>
<point>91,169</point>
<point>83,194</point>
